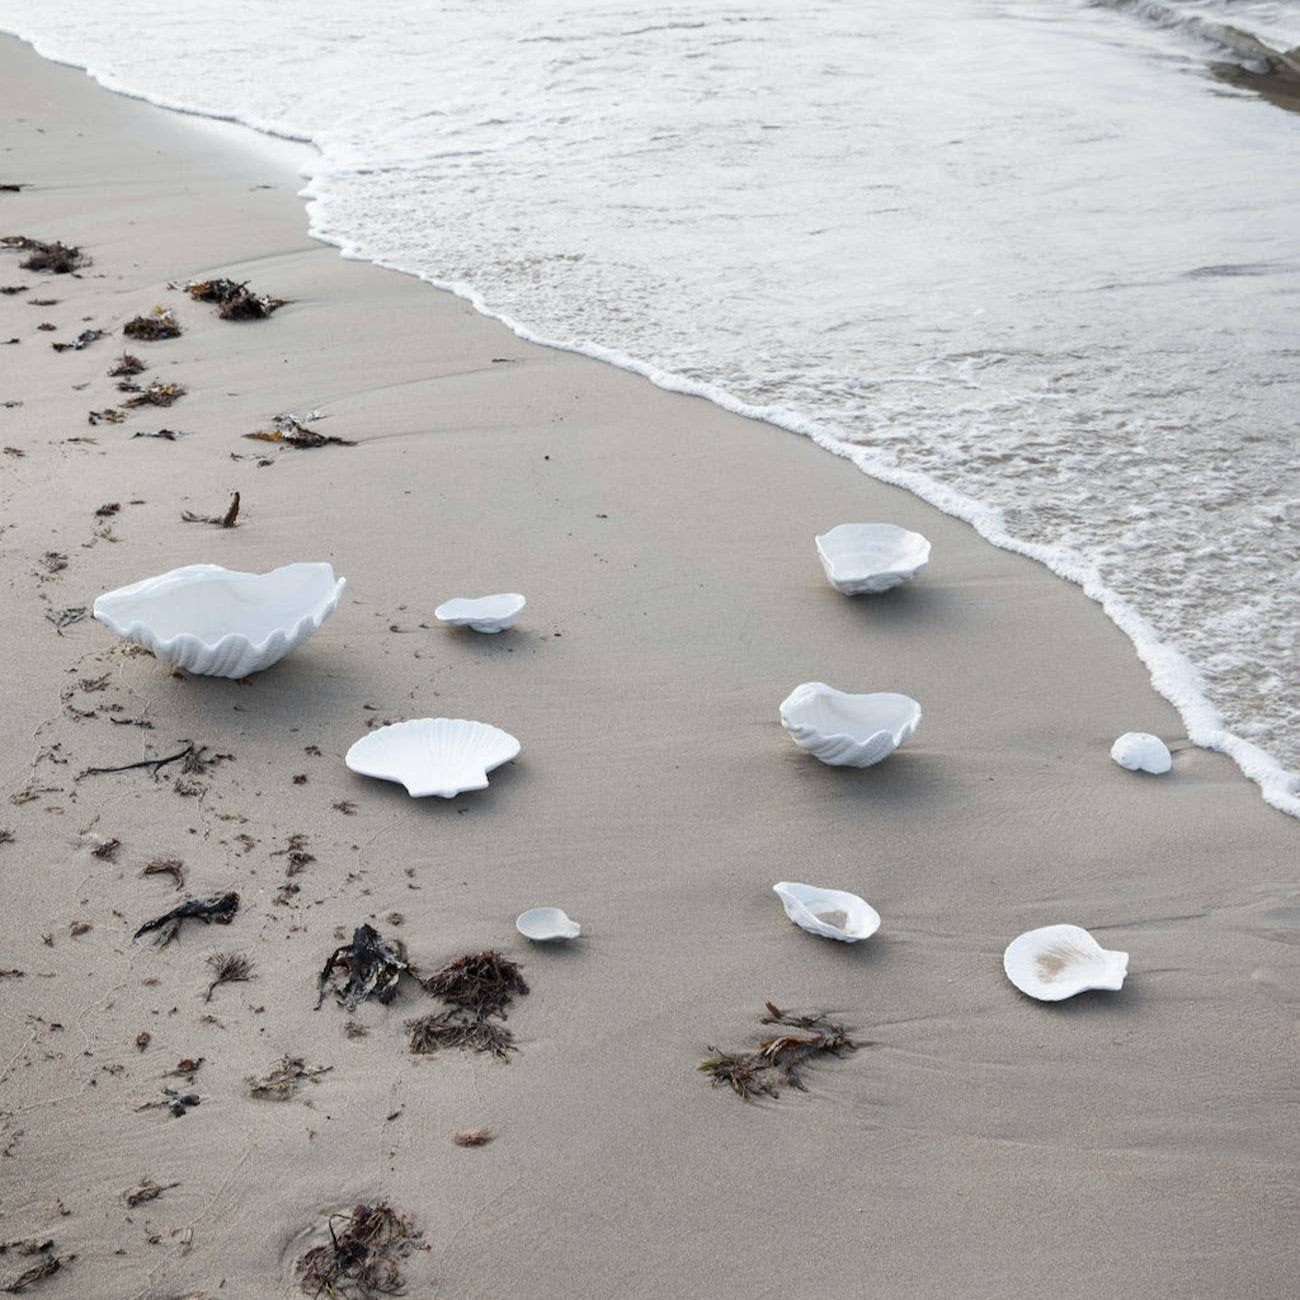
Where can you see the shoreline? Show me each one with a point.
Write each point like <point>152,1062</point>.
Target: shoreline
<point>1172,674</point>
<point>674,599</point>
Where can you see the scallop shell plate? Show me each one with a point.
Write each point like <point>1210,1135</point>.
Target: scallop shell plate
<point>217,622</point>
<point>1058,961</point>
<point>442,756</point>
<point>848,730</point>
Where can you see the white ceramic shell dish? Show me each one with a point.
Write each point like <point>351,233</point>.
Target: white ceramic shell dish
<point>831,913</point>
<point>442,756</point>
<point>546,925</point>
<point>862,559</point>
<point>1058,961</point>
<point>484,614</point>
<point>1139,751</point>
<point>220,623</point>
<point>848,730</point>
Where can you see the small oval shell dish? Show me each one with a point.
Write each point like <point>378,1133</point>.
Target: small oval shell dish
<point>1058,961</point>
<point>848,730</point>
<point>865,559</point>
<point>831,913</point>
<point>1141,752</point>
<point>485,614</point>
<point>442,756</point>
<point>216,622</point>
<point>546,925</point>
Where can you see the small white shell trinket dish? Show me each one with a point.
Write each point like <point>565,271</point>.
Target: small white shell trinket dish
<point>546,925</point>
<point>486,614</point>
<point>442,756</point>
<point>848,730</point>
<point>216,622</point>
<point>1058,961</point>
<point>1141,752</point>
<point>864,559</point>
<point>831,913</point>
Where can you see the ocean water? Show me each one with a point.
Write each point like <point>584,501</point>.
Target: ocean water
<point>1036,260</point>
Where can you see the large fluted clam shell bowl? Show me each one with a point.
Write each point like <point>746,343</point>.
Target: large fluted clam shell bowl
<point>848,730</point>
<point>864,559</point>
<point>433,756</point>
<point>217,622</point>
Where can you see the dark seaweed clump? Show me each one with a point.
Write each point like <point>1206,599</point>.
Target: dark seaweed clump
<point>56,258</point>
<point>373,967</point>
<point>363,1256</point>
<point>780,1061</point>
<point>480,987</point>
<point>219,909</point>
<point>234,299</point>
<point>159,324</point>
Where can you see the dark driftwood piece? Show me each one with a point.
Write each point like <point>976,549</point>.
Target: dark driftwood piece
<point>220,909</point>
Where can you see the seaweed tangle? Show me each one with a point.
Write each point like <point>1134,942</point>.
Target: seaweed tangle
<point>363,1256</point>
<point>234,299</point>
<point>57,258</point>
<point>780,1061</point>
<point>480,987</point>
<point>159,324</point>
<point>374,967</point>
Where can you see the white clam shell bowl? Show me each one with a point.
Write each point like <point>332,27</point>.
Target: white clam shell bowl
<point>864,559</point>
<point>484,614</point>
<point>547,925</point>
<point>831,913</point>
<point>1058,961</point>
<point>848,730</point>
<point>433,756</point>
<point>217,622</point>
<point>1139,751</point>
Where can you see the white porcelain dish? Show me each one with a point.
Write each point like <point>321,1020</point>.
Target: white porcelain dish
<point>1139,751</point>
<point>433,756</point>
<point>483,614</point>
<point>547,925</point>
<point>865,559</point>
<point>848,730</point>
<point>218,622</point>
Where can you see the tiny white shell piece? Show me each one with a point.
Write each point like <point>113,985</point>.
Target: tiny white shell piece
<point>1058,961</point>
<point>829,912</point>
<point>485,614</point>
<point>848,730</point>
<point>546,924</point>
<point>1141,752</point>
<point>217,622</point>
<point>862,559</point>
<point>442,756</point>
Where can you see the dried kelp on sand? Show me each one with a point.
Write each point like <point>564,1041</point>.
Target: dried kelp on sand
<point>780,1061</point>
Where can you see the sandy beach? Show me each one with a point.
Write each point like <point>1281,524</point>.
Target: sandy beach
<point>979,1145</point>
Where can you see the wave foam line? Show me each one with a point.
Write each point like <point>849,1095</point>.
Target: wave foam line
<point>1173,675</point>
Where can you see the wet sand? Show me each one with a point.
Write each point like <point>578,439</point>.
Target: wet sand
<point>982,1145</point>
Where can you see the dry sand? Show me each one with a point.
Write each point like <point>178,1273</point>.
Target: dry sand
<point>1139,1144</point>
